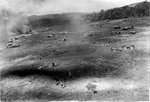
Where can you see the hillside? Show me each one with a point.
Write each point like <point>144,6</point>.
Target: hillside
<point>140,9</point>
<point>53,19</point>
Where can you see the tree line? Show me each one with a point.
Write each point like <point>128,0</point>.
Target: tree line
<point>138,10</point>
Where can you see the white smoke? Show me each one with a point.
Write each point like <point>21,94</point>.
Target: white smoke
<point>12,23</point>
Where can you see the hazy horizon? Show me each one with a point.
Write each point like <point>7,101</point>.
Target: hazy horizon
<point>40,7</point>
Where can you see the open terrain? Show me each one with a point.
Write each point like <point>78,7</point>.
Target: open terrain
<point>78,61</point>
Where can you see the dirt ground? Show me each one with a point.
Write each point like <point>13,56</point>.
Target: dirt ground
<point>86,62</point>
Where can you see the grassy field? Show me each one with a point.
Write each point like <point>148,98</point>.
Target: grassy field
<point>59,62</point>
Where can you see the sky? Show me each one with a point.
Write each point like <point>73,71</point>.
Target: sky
<point>39,7</point>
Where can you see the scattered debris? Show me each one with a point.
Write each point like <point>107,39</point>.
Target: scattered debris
<point>118,32</point>
<point>124,47</point>
<point>133,46</point>
<point>128,47</point>
<point>61,83</point>
<point>57,82</point>
<point>132,27</point>
<point>125,28</point>
<point>124,20</point>
<point>64,32</point>
<point>11,45</point>
<point>49,94</point>
<point>100,26</point>
<point>104,44</point>
<point>132,32</point>
<point>54,50</point>
<point>115,49</point>
<point>94,81</point>
<point>108,41</point>
<point>11,41</point>
<point>22,36</point>
<point>49,36</point>
<point>117,27</point>
<point>16,38</point>
<point>94,91</point>
<point>91,87</point>
<point>53,64</point>
<point>107,20</point>
<point>42,31</point>
<point>115,32</point>
<point>64,39</point>
<point>40,67</point>
<point>69,74</point>
<point>53,34</point>
<point>59,52</point>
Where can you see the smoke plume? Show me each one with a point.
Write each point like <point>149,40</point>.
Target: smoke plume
<point>12,23</point>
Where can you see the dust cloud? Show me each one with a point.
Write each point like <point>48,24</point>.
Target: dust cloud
<point>12,24</point>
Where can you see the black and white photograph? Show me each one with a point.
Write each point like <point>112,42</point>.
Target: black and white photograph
<point>74,50</point>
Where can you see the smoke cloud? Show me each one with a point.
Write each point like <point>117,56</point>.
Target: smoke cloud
<point>12,23</point>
